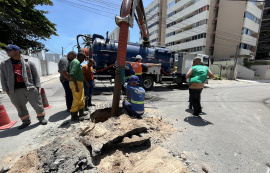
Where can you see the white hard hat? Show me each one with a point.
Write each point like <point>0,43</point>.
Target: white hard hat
<point>138,57</point>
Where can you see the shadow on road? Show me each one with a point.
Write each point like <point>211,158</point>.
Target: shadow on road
<point>59,116</point>
<point>197,121</point>
<point>14,131</point>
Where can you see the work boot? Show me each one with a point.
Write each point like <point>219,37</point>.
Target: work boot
<point>43,121</point>
<point>85,107</point>
<point>24,124</point>
<point>75,117</point>
<point>82,113</point>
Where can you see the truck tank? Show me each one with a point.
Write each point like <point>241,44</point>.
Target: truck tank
<point>104,52</point>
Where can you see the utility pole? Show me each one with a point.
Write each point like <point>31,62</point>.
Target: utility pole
<point>62,51</point>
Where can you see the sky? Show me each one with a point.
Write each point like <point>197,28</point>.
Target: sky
<point>73,17</point>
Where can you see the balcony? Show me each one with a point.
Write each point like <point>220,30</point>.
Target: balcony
<point>249,24</point>
<point>184,23</point>
<point>254,10</point>
<point>190,44</point>
<point>249,40</point>
<point>186,34</point>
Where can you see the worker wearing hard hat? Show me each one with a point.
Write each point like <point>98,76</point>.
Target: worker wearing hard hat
<point>136,106</point>
<point>138,66</point>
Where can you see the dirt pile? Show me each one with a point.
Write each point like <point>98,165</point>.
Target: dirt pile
<point>119,144</point>
<point>61,155</point>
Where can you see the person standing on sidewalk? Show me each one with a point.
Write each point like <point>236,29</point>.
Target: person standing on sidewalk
<point>76,86</point>
<point>88,82</point>
<point>197,74</point>
<point>21,82</point>
<point>63,69</point>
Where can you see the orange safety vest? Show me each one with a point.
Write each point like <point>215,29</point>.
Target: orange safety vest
<point>137,67</point>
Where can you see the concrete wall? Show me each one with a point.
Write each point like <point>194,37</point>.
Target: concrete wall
<point>52,68</point>
<point>263,71</point>
<point>226,67</point>
<point>43,67</point>
<point>245,73</point>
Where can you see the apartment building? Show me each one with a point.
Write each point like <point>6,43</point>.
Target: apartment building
<point>263,51</point>
<point>218,28</point>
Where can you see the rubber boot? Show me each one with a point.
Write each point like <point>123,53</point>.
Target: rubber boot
<point>82,113</point>
<point>75,117</point>
<point>86,105</point>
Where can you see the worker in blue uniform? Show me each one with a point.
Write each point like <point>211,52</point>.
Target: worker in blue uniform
<point>136,106</point>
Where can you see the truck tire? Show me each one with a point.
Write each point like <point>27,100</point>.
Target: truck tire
<point>147,82</point>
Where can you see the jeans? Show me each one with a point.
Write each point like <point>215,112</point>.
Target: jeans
<point>195,95</point>
<point>88,91</point>
<point>69,97</point>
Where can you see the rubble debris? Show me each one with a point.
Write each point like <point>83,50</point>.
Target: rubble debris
<point>204,168</point>
<point>61,156</point>
<point>119,144</point>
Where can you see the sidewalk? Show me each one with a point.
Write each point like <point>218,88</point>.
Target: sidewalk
<point>253,81</point>
<point>48,78</point>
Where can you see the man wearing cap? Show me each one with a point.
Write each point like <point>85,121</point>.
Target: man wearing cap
<point>21,82</point>
<point>197,74</point>
<point>136,106</point>
<point>76,86</point>
<point>138,66</point>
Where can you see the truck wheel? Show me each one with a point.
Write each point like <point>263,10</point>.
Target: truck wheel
<point>147,82</point>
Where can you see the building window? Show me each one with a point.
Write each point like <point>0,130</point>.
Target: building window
<point>246,46</point>
<point>154,40</point>
<point>152,9</point>
<point>150,26</point>
<point>170,34</point>
<point>171,4</point>
<point>251,17</point>
<point>171,14</point>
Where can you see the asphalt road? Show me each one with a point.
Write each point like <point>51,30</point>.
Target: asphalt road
<point>232,136</point>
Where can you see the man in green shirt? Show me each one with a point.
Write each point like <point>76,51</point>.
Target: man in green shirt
<point>198,74</point>
<point>76,86</point>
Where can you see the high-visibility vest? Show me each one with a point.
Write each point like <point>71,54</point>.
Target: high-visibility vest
<point>137,67</point>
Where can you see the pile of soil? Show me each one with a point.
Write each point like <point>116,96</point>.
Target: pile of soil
<point>116,144</point>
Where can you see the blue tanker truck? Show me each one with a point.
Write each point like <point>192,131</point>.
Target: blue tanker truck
<point>173,69</point>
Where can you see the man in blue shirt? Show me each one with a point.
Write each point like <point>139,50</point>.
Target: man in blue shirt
<point>136,106</point>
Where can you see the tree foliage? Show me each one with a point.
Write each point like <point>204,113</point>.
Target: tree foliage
<point>22,24</point>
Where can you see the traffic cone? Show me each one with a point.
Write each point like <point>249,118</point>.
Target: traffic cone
<point>5,122</point>
<point>44,99</point>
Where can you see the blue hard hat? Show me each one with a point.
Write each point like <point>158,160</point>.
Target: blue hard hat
<point>133,79</point>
